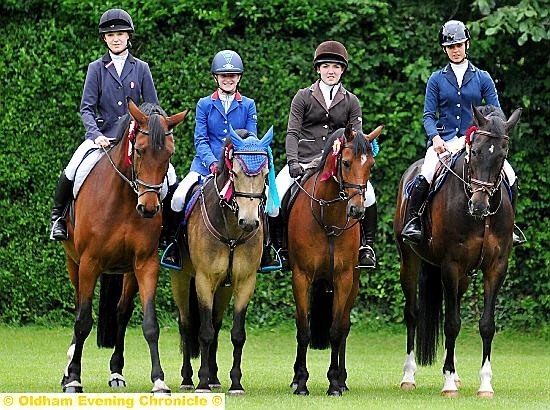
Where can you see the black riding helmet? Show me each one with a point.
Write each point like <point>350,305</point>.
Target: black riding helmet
<point>115,20</point>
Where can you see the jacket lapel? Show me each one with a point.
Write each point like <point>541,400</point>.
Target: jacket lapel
<point>450,76</point>
<point>110,66</point>
<point>129,65</point>
<point>318,95</point>
<point>469,74</point>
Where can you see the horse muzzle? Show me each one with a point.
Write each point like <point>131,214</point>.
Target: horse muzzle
<point>355,211</point>
<point>146,212</point>
<point>478,205</point>
<point>248,225</point>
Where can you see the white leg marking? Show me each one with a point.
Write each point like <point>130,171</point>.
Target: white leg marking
<point>409,369</point>
<point>486,374</point>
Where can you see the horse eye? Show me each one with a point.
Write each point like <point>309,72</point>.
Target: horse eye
<point>346,163</point>
<point>474,153</point>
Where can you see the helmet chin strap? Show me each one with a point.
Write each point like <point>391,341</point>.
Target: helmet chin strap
<point>223,91</point>
<point>128,46</point>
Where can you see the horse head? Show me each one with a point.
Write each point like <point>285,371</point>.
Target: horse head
<point>152,147</point>
<point>350,164</point>
<point>247,161</point>
<point>487,147</point>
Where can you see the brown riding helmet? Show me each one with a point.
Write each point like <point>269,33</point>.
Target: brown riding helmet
<point>331,52</point>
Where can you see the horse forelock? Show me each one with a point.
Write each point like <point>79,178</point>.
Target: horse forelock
<point>156,132</point>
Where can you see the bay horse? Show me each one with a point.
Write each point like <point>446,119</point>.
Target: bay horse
<point>115,229</point>
<point>470,219</point>
<point>323,247</point>
<point>224,247</point>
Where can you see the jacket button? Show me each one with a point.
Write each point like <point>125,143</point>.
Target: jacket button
<point>325,126</point>
<point>119,103</point>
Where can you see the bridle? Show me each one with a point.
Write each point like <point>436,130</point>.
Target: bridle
<point>134,181</point>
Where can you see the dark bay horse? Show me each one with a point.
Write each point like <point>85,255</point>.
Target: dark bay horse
<point>323,246</point>
<point>467,226</point>
<point>115,229</point>
<point>225,236</point>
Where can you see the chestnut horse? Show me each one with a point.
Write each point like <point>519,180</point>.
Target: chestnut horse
<point>224,237</point>
<point>115,229</point>
<point>323,246</point>
<point>467,226</point>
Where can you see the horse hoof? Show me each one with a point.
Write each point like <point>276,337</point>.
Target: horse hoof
<point>485,394</point>
<point>73,387</point>
<point>203,391</point>
<point>161,388</point>
<point>408,386</point>
<point>450,393</point>
<point>334,393</point>
<point>304,392</point>
<point>187,387</point>
<point>236,392</point>
<point>117,380</point>
<point>215,386</point>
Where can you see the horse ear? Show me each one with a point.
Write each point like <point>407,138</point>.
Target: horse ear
<point>135,112</point>
<point>514,118</point>
<point>348,132</point>
<point>481,120</point>
<point>373,135</point>
<point>266,139</point>
<point>235,138</point>
<point>175,119</point>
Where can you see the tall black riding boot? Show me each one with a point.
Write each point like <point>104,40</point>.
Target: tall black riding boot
<point>412,230</point>
<point>518,237</point>
<point>169,224</point>
<point>268,262</point>
<point>369,223</point>
<point>63,194</point>
<point>171,258</point>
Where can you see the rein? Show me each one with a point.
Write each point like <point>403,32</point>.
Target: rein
<point>135,182</point>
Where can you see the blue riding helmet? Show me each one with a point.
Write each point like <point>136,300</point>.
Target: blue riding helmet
<point>453,32</point>
<point>227,62</point>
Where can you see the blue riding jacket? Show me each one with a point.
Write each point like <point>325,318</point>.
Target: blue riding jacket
<point>104,96</point>
<point>212,127</point>
<point>447,107</point>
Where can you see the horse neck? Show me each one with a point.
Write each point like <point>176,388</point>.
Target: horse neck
<point>221,217</point>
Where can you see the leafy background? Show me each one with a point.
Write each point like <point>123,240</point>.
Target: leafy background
<point>45,47</point>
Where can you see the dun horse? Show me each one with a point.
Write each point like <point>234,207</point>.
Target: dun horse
<point>323,245</point>
<point>467,226</point>
<point>224,234</point>
<point>115,229</point>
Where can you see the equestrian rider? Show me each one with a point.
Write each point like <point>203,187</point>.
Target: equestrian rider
<point>214,113</point>
<point>110,80</point>
<point>315,113</point>
<point>450,94</point>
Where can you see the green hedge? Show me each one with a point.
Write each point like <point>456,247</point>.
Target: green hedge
<point>47,45</point>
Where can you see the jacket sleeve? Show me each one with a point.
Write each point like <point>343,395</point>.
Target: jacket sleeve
<point>294,128</point>
<point>488,90</point>
<point>202,146</point>
<point>89,103</point>
<point>148,90</point>
<point>252,118</point>
<point>355,114</point>
<point>430,107</point>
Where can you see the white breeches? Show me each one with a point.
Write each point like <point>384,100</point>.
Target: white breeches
<point>78,156</point>
<point>178,200</point>
<point>284,181</point>
<point>454,145</point>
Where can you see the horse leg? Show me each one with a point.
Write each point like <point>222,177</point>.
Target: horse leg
<point>244,289</point>
<point>493,279</point>
<point>344,295</point>
<point>147,277</point>
<point>83,325</point>
<point>300,288</point>
<point>72,268</point>
<point>410,265</point>
<point>221,300</point>
<point>125,309</point>
<point>450,275</point>
<point>185,297</point>
<point>206,330</point>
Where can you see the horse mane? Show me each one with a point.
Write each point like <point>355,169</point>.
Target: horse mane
<point>156,132</point>
<point>492,112</point>
<point>360,146</point>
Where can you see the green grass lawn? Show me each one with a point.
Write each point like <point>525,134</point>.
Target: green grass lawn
<point>33,360</point>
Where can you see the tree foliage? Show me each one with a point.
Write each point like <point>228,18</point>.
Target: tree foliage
<point>45,49</point>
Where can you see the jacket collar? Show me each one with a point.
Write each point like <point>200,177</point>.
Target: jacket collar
<point>449,74</point>
<point>109,65</point>
<point>216,96</point>
<point>318,95</point>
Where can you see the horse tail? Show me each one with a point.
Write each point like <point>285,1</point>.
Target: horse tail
<point>110,290</point>
<point>320,315</point>
<point>190,331</point>
<point>429,319</point>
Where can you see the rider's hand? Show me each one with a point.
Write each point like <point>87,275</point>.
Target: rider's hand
<point>102,141</point>
<point>295,169</point>
<point>439,145</point>
<point>214,167</point>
